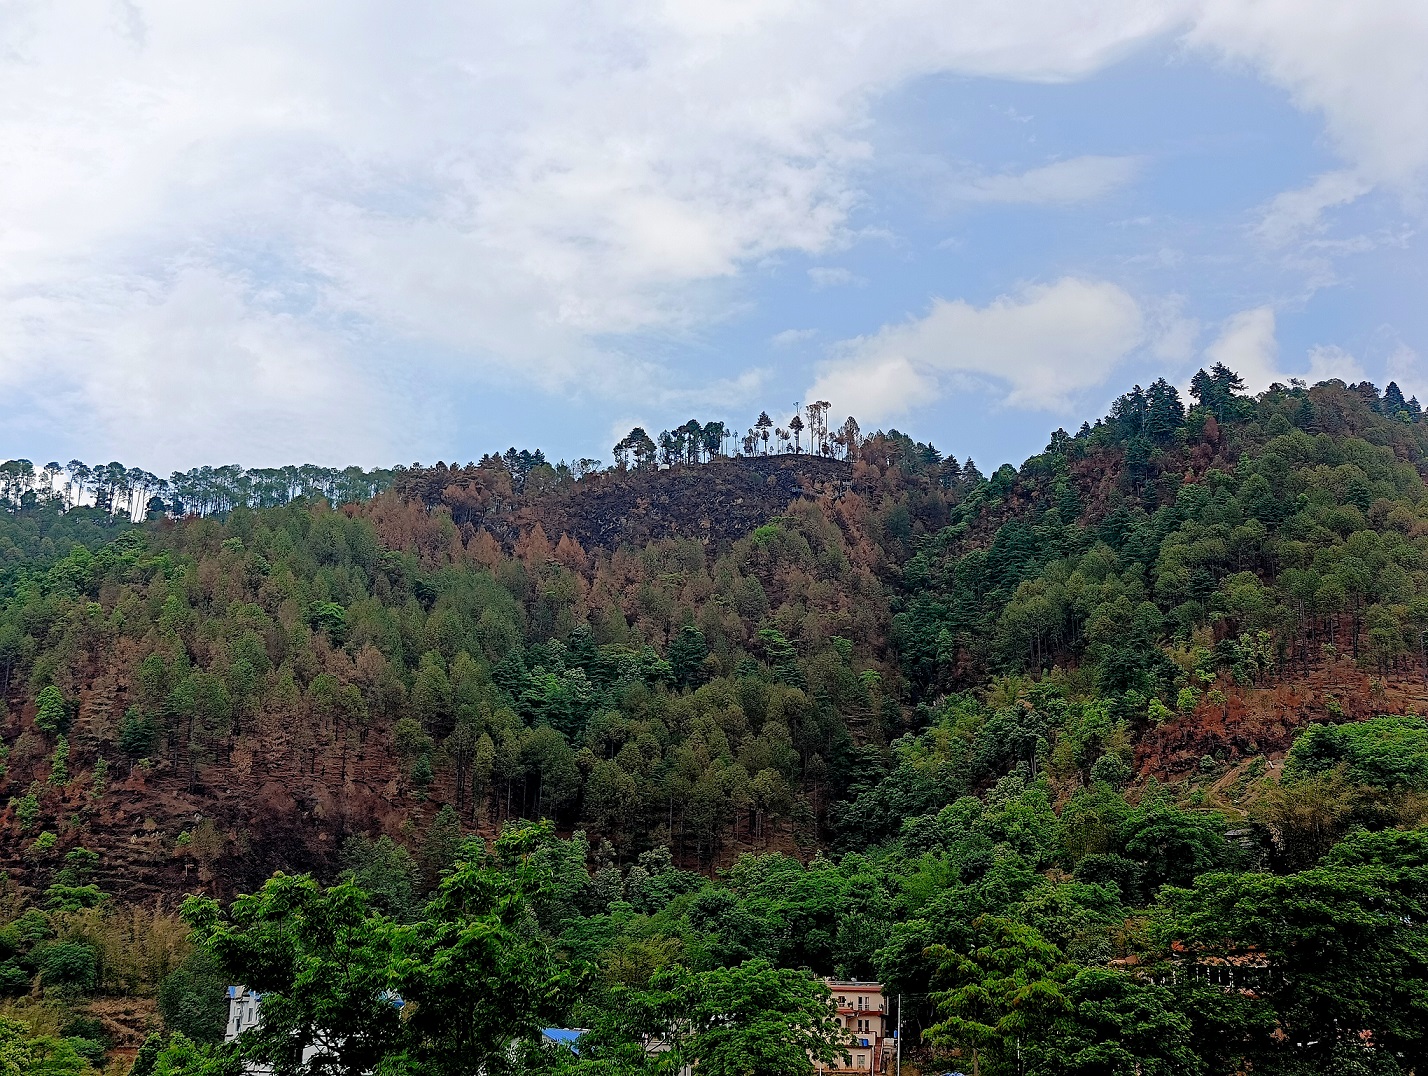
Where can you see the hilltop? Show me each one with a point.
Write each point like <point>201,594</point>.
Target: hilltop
<point>717,502</point>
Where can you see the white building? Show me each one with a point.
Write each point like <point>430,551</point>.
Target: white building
<point>245,1013</point>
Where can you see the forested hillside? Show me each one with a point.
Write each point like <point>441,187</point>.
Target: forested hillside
<point>863,711</point>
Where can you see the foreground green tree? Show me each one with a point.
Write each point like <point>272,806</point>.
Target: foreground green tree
<point>1002,994</point>
<point>464,989</point>
<point>22,1055</point>
<point>322,959</point>
<point>181,1056</point>
<point>475,974</point>
<point>749,1020</point>
<point>1344,947</point>
<point>1116,1026</point>
<point>758,1020</point>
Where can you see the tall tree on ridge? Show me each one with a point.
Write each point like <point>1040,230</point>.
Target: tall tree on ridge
<point>763,426</point>
<point>852,437</point>
<point>818,426</point>
<point>1215,390</point>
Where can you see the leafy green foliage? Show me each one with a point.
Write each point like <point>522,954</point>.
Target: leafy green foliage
<point>335,975</point>
<point>1274,544</point>
<point>757,1020</point>
<point>193,1000</point>
<point>1000,992</point>
<point>1339,951</point>
<point>22,1054</point>
<point>953,685</point>
<point>1390,753</point>
<point>50,711</point>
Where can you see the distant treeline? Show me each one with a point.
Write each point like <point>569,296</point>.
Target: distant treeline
<point>118,490</point>
<point>132,491</point>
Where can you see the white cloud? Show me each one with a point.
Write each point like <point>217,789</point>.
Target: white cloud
<point>1247,345</point>
<point>1292,213</point>
<point>721,394</point>
<point>793,337</point>
<point>1172,333</point>
<point>1403,367</point>
<point>507,186</point>
<point>1044,345</point>
<point>197,363</point>
<point>1358,64</point>
<point>833,277</point>
<point>877,388</point>
<point>1079,179</point>
<point>510,187</point>
<point>1328,361</point>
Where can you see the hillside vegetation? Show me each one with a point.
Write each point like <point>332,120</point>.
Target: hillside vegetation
<point>1144,704</point>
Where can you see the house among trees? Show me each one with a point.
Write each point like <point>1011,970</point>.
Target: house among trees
<point>862,1009</point>
<point>244,1014</point>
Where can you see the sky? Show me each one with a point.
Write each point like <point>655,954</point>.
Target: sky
<point>344,231</point>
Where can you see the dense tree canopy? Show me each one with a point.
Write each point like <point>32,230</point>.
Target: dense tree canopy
<point>1111,763</point>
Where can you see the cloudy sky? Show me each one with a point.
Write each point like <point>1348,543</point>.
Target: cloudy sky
<point>346,231</point>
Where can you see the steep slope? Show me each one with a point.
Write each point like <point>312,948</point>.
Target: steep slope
<point>230,697</point>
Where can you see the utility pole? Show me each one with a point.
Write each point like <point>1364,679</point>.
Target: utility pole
<point>899,1035</point>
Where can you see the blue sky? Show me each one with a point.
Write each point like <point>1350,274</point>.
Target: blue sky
<point>248,233</point>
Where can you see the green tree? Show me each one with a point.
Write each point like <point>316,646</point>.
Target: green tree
<point>441,845</point>
<point>687,651</point>
<point>50,712</point>
<point>71,967</point>
<point>1346,944</point>
<point>73,887</point>
<point>762,428</point>
<point>1175,845</point>
<point>385,871</point>
<point>192,998</point>
<point>758,1020</point>
<point>23,1054</point>
<point>1003,993</point>
<point>479,982</point>
<point>1116,1026</point>
<point>138,734</point>
<point>321,958</point>
<point>15,1056</point>
<point>59,762</point>
<point>147,1057</point>
<point>465,988</point>
<point>180,1056</point>
<point>1216,389</point>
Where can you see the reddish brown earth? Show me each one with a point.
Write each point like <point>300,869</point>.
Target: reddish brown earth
<point>1264,720</point>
